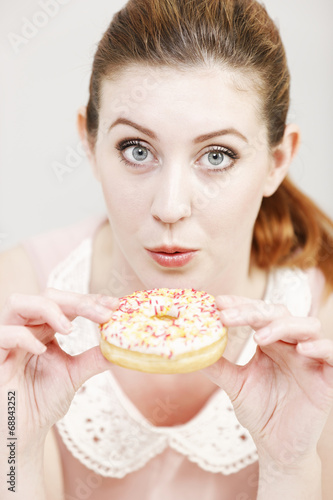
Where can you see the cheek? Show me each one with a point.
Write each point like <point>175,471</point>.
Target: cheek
<point>126,202</point>
<point>233,202</point>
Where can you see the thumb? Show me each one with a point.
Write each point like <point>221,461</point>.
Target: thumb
<point>86,365</point>
<point>226,375</point>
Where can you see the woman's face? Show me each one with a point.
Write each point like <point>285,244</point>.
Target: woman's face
<point>183,161</point>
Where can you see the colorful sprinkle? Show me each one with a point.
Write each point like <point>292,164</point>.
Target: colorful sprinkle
<point>164,321</point>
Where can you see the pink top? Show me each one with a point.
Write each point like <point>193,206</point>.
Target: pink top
<point>168,473</point>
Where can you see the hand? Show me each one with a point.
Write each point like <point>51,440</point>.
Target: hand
<point>284,394</point>
<point>33,365</point>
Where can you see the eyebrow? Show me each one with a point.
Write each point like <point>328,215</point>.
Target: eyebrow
<point>201,138</point>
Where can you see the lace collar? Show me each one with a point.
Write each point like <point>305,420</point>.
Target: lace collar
<point>107,433</point>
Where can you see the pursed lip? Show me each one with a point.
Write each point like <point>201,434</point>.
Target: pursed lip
<point>172,256</point>
<point>171,249</point>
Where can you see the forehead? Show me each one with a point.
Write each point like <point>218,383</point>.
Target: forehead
<point>201,96</point>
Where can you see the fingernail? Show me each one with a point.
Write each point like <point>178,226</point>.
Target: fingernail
<point>263,333</point>
<point>66,324</point>
<point>101,309</point>
<point>230,314</point>
<point>41,349</point>
<point>105,313</point>
<point>108,301</point>
<point>306,346</point>
<point>224,300</point>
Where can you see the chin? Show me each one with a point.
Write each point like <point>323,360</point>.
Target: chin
<point>174,280</point>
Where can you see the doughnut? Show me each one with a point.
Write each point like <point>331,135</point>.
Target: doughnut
<point>164,331</point>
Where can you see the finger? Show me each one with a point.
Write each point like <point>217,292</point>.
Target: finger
<point>318,349</point>
<point>226,375</point>
<point>106,300</point>
<point>14,337</point>
<point>86,365</point>
<point>32,310</point>
<point>55,308</point>
<point>10,368</point>
<point>225,301</point>
<point>96,307</point>
<point>255,314</point>
<point>291,330</point>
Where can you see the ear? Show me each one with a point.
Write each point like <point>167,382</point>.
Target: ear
<point>282,157</point>
<point>82,130</point>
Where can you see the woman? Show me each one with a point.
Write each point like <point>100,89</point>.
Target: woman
<point>186,131</point>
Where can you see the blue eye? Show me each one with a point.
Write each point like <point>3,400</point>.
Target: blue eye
<point>132,152</point>
<point>135,154</point>
<point>216,158</point>
<point>140,153</point>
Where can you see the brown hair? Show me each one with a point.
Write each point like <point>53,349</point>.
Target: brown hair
<point>290,228</point>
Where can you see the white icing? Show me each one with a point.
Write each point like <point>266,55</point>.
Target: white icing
<point>195,323</point>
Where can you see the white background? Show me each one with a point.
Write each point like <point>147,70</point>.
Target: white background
<point>43,85</point>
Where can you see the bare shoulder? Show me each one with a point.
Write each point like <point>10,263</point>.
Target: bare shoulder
<point>17,273</point>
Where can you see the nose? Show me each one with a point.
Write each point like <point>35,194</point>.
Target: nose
<point>172,197</point>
